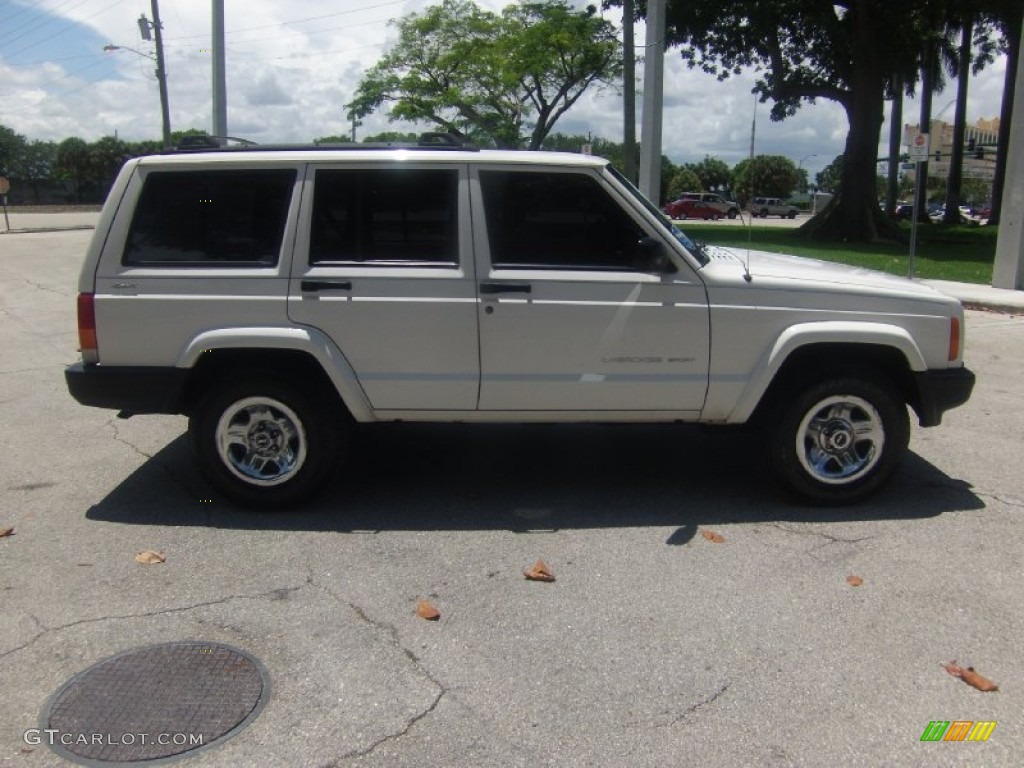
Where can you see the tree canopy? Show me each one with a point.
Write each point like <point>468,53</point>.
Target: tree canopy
<point>764,176</point>
<point>803,50</point>
<point>501,79</point>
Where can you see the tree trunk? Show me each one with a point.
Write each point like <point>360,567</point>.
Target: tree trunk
<point>925,126</point>
<point>956,158</point>
<point>628,94</point>
<point>1013,33</point>
<point>892,190</point>
<point>853,214</point>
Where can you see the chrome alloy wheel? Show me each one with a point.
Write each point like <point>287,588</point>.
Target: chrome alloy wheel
<point>261,441</point>
<point>840,439</point>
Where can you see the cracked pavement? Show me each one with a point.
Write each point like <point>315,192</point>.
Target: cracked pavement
<point>654,647</point>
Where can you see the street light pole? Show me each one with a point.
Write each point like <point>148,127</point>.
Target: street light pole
<point>161,76</point>
<point>144,23</point>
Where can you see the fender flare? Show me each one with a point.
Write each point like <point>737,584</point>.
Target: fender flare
<point>803,335</point>
<point>309,340</point>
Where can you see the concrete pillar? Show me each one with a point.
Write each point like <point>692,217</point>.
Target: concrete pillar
<point>654,78</point>
<point>1009,266</point>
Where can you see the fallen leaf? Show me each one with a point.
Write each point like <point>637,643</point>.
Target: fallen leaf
<point>539,571</point>
<point>150,557</point>
<point>717,538</point>
<point>426,610</point>
<point>854,581</point>
<point>969,676</point>
<point>6,532</point>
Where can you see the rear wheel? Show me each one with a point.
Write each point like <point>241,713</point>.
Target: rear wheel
<point>266,444</point>
<point>840,440</point>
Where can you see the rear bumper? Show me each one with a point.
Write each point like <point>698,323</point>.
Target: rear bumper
<point>940,390</point>
<point>131,389</point>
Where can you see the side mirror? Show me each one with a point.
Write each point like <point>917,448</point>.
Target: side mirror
<point>650,256</point>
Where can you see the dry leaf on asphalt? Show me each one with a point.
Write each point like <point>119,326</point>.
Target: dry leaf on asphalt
<point>969,676</point>
<point>717,538</point>
<point>854,581</point>
<point>6,532</point>
<point>150,557</point>
<point>539,571</point>
<point>426,610</point>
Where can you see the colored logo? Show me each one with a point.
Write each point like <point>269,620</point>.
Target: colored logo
<point>958,730</point>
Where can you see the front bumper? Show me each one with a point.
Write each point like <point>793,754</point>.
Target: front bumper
<point>131,389</point>
<point>940,390</point>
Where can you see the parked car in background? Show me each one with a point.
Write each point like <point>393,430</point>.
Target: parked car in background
<point>904,212</point>
<point>716,201</point>
<point>689,208</point>
<point>772,206</point>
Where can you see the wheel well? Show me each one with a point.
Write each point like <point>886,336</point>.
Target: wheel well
<point>814,362</point>
<point>293,366</point>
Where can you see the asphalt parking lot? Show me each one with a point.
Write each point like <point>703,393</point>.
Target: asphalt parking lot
<point>654,647</point>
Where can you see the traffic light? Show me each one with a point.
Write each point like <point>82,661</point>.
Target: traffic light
<point>938,155</point>
<point>971,144</point>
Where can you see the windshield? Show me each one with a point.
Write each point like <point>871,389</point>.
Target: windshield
<point>695,247</point>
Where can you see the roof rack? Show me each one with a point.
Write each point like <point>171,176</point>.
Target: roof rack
<point>431,140</point>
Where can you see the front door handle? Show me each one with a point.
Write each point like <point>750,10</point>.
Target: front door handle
<point>505,288</point>
<point>312,286</point>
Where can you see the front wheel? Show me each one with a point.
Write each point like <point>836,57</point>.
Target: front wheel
<point>840,440</point>
<point>265,443</point>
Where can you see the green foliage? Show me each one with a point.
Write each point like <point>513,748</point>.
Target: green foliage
<point>829,178</point>
<point>684,179</point>
<point>714,174</point>
<point>502,80</point>
<point>613,151</point>
<point>392,136</point>
<point>336,139</point>
<point>764,176</point>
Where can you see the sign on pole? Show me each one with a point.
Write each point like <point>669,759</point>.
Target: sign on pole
<point>919,148</point>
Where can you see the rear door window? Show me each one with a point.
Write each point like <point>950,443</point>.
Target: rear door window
<point>210,218</point>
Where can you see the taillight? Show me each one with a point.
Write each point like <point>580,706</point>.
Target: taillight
<point>87,327</point>
<point>954,338</point>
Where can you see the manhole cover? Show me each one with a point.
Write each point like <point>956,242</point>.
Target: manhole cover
<point>155,703</point>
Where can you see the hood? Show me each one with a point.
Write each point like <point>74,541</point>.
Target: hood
<point>816,273</point>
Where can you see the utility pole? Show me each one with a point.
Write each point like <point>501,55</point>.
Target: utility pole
<point>220,105</point>
<point>161,73</point>
<point>1009,266</point>
<point>650,129</point>
<point>628,92</point>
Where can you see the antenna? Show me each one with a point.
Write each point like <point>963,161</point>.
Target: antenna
<point>750,221</point>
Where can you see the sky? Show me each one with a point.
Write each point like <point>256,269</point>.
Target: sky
<point>291,67</point>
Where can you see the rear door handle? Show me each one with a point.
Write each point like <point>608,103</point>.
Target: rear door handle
<point>505,288</point>
<point>312,286</point>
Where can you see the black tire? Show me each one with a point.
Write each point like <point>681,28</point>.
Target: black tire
<point>840,439</point>
<point>266,444</point>
<point>732,213</point>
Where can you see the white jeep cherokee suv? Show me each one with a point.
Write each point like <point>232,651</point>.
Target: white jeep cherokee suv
<point>277,295</point>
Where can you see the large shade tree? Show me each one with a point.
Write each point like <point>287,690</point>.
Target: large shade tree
<point>804,50</point>
<point>501,79</point>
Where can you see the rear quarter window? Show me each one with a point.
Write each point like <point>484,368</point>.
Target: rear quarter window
<point>212,218</point>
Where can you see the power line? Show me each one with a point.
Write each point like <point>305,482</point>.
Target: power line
<point>65,28</point>
<point>38,23</point>
<point>296,21</point>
